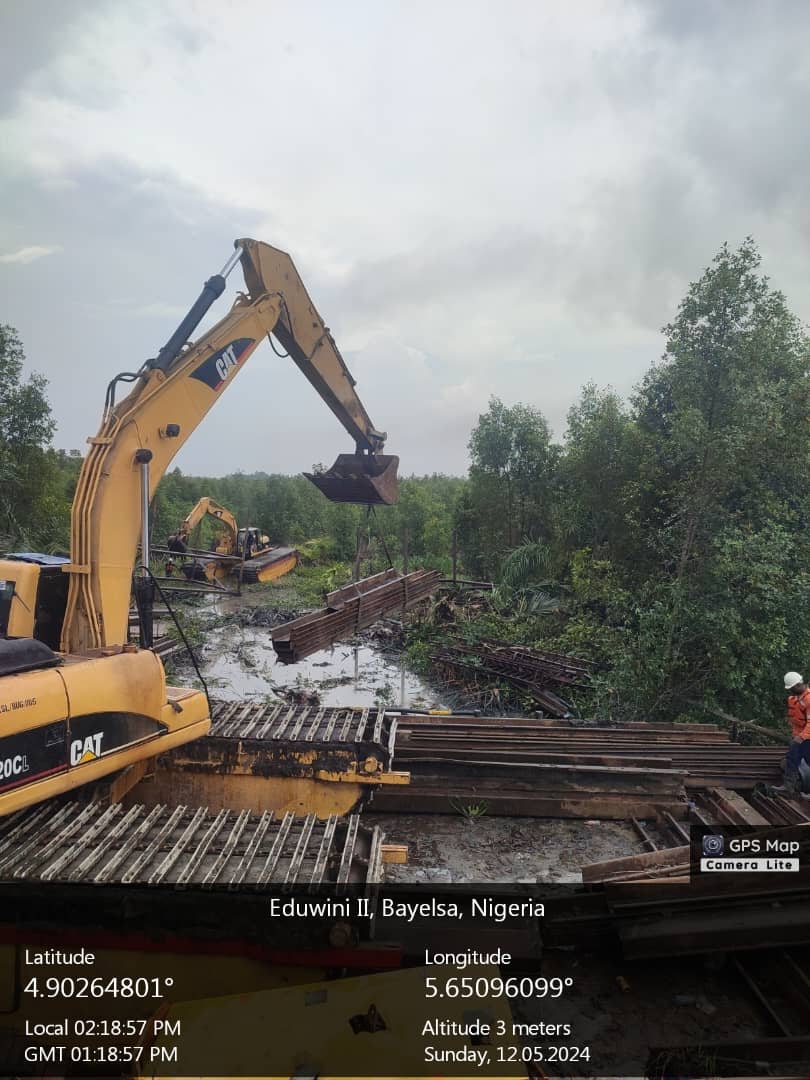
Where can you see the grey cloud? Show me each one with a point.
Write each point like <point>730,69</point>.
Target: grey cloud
<point>32,35</point>
<point>730,86</point>
<point>429,274</point>
<point>701,24</point>
<point>660,144</point>
<point>127,256</point>
<point>118,239</point>
<point>191,38</point>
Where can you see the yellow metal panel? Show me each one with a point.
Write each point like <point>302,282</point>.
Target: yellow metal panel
<point>193,710</point>
<point>241,791</point>
<point>128,682</point>
<point>32,699</point>
<point>278,569</point>
<point>19,798</point>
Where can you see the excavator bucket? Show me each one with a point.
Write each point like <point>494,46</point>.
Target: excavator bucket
<point>358,478</point>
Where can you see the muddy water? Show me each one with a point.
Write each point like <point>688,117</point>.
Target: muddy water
<point>240,662</point>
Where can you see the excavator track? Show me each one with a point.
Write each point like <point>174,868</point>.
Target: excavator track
<point>269,565</point>
<point>98,844</point>
<point>304,758</point>
<point>368,731</point>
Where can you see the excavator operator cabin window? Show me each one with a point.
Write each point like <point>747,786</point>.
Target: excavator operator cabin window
<point>6,596</point>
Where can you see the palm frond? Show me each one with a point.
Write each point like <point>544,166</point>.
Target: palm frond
<point>524,565</point>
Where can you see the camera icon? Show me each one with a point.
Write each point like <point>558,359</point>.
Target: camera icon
<point>713,845</point>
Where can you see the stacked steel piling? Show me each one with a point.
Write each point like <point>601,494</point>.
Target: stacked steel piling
<point>352,608</point>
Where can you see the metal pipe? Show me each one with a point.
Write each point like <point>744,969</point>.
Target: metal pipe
<point>144,588</point>
<point>142,458</point>
<point>232,261</point>
<point>212,290</point>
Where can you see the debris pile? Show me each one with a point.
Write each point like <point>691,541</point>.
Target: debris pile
<point>530,670</point>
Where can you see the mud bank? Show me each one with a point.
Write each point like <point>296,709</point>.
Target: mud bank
<point>447,849</point>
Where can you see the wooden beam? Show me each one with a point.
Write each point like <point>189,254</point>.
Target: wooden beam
<point>394,853</point>
<point>651,863</point>
<point>733,809</point>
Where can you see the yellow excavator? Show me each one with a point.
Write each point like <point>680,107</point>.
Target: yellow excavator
<point>77,700</point>
<point>246,551</point>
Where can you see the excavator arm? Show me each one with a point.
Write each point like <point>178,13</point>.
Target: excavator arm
<point>302,332</point>
<point>207,506</point>
<point>141,434</point>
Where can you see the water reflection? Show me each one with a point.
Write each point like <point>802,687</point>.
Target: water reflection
<point>239,662</point>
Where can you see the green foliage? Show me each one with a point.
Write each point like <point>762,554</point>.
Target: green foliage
<point>674,526</point>
<point>470,811</point>
<point>292,511</point>
<point>32,511</point>
<point>600,460</point>
<point>716,537</point>
<point>525,565</point>
<point>524,586</point>
<point>513,477</point>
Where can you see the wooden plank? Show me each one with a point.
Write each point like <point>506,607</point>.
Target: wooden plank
<point>124,781</point>
<point>735,721</point>
<point>549,726</point>
<point>747,926</point>
<point>646,861</point>
<point>734,808</point>
<point>394,853</point>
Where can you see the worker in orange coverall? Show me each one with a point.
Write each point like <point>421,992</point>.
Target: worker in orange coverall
<point>798,714</point>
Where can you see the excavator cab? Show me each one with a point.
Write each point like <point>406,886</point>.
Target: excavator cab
<point>360,478</point>
<point>250,541</point>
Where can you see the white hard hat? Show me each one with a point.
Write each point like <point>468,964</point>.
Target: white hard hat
<point>791,679</point>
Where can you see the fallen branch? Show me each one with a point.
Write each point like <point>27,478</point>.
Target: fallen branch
<point>749,725</point>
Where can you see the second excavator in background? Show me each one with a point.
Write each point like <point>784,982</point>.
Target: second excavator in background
<point>245,553</point>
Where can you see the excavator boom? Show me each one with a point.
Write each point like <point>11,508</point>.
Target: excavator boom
<point>367,476</point>
<point>204,506</point>
<point>141,434</point>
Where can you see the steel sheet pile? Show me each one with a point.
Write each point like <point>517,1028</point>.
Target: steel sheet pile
<point>566,768</point>
<point>704,752</point>
<point>531,670</point>
<point>352,608</point>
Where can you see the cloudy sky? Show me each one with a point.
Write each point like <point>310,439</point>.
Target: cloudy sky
<point>482,198</point>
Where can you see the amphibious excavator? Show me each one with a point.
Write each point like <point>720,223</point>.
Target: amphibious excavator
<point>78,701</point>
<point>246,551</point>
